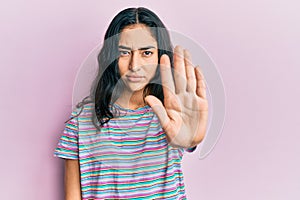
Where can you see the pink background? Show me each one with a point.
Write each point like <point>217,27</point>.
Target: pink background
<point>255,45</point>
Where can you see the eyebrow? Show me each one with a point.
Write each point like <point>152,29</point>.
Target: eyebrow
<point>142,48</point>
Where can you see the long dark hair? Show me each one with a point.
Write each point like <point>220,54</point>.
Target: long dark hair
<point>102,92</point>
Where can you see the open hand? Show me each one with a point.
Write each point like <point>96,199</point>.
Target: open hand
<point>184,113</point>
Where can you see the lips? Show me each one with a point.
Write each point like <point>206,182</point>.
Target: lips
<point>134,78</point>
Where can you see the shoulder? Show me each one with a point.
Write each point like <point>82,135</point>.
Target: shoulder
<point>83,110</point>
<point>82,117</point>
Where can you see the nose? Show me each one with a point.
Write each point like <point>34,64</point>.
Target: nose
<point>135,61</point>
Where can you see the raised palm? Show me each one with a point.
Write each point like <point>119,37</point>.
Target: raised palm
<point>184,113</point>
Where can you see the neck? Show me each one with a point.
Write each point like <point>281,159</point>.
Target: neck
<point>131,100</point>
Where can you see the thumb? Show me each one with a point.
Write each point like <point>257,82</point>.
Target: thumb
<point>158,109</point>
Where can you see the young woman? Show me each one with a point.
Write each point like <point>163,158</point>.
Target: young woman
<point>146,108</point>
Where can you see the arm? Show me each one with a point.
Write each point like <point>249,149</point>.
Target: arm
<point>72,180</point>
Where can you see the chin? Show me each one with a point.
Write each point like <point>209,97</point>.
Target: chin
<point>135,87</point>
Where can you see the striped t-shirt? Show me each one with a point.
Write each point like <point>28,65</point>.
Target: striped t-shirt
<point>128,159</point>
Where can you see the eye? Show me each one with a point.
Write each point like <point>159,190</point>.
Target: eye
<point>124,53</point>
<point>147,53</point>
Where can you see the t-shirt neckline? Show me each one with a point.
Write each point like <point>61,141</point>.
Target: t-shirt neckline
<point>140,109</point>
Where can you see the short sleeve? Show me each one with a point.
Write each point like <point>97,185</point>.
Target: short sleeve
<point>182,151</point>
<point>191,149</point>
<point>68,143</point>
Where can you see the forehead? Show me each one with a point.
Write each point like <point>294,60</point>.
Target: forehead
<point>137,36</point>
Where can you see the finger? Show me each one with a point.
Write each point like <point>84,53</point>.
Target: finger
<point>190,72</point>
<point>158,109</point>
<point>201,86</point>
<point>179,70</point>
<point>166,76</point>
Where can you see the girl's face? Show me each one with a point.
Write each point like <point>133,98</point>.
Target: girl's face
<point>138,58</point>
